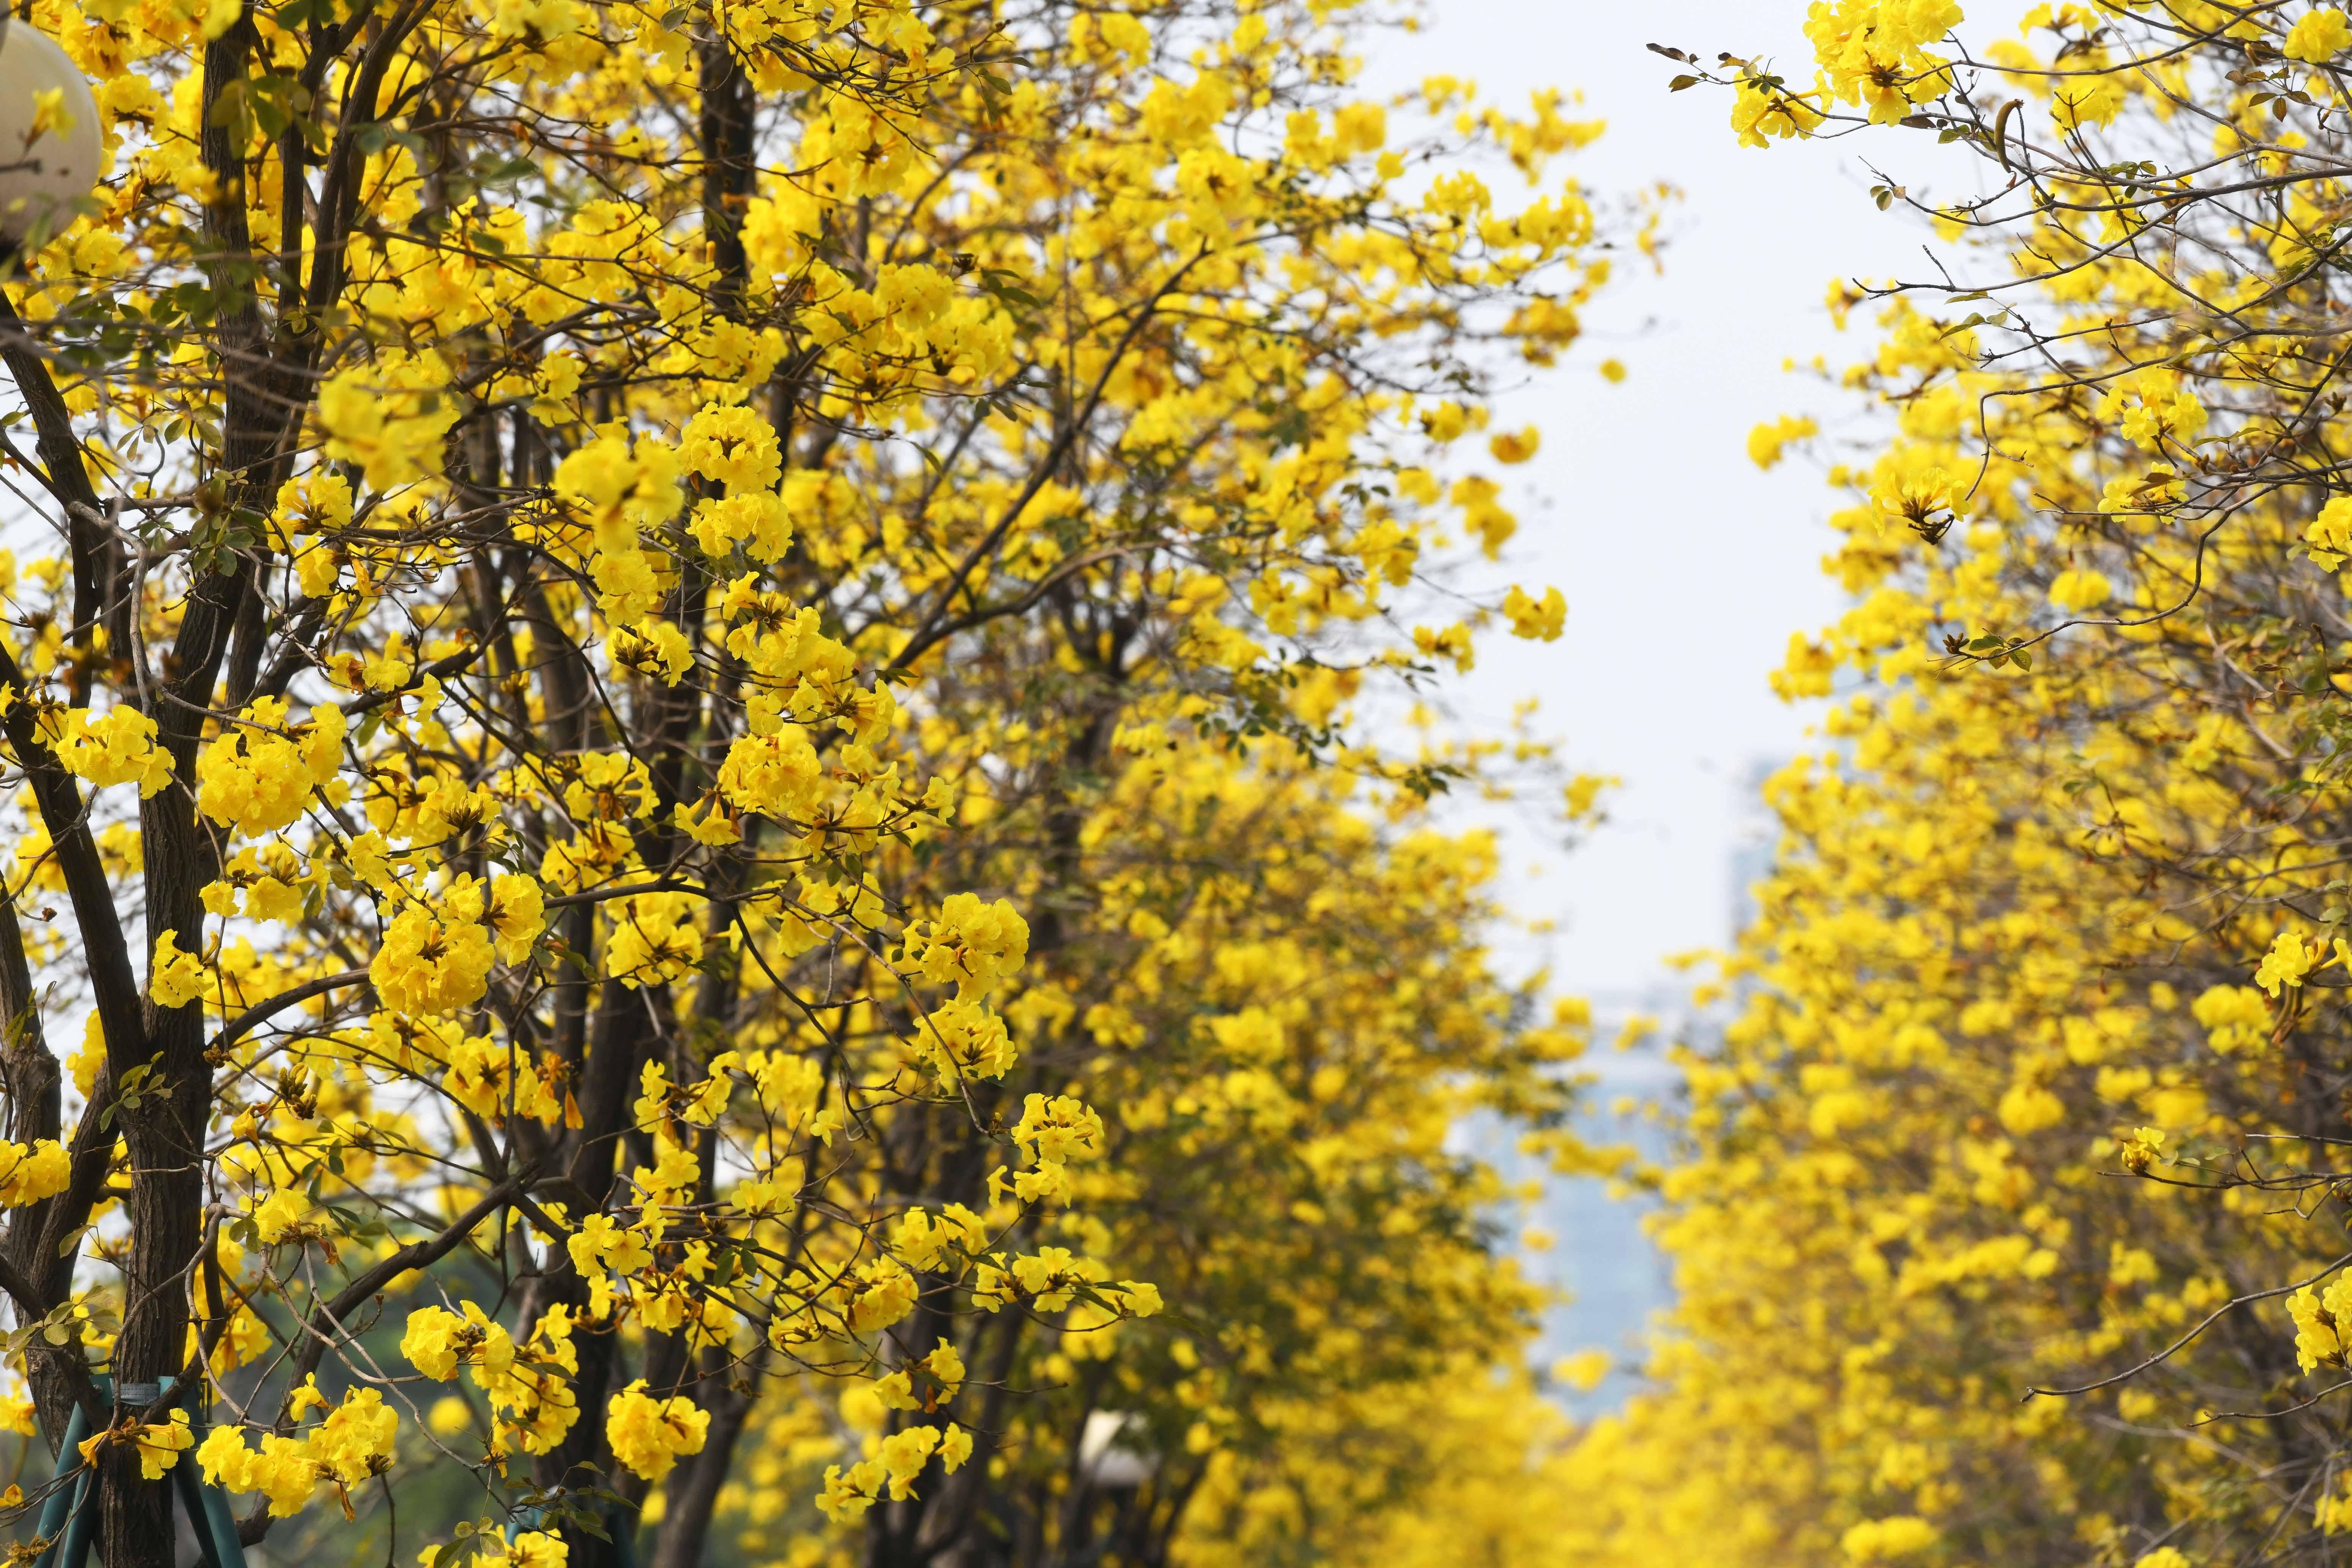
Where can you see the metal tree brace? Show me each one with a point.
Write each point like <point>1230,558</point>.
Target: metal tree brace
<point>69,1517</point>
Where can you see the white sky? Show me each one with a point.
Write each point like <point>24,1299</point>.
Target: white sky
<point>1685,568</point>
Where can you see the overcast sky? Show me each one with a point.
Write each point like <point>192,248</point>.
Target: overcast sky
<point>1685,567</point>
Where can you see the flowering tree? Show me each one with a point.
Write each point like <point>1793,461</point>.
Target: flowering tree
<point>574,522</point>
<point>1292,1009</point>
<point>2035,1090</point>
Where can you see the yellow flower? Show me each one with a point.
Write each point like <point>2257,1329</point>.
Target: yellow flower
<point>649,1434</point>
<point>1509,446</point>
<point>259,775</point>
<point>1536,620</point>
<point>847,1496</point>
<point>2289,958</point>
<point>50,115</point>
<point>516,914</point>
<point>880,1293</point>
<point>653,647</point>
<point>117,748</point>
<point>2329,533</point>
<point>1766,442</point>
<point>2142,1150</point>
<point>1888,1539</point>
<point>2319,1319</point>
<point>279,1214</point>
<point>734,447</point>
<point>1058,1129</point>
<point>438,1340</point>
<point>971,944</point>
<point>905,1454</point>
<point>1763,113</point>
<point>775,775</point>
<point>390,416</point>
<point>2076,590</point>
<point>282,1468</point>
<point>654,938</point>
<point>602,1243</point>
<point>759,520</point>
<point>176,976</point>
<point>965,1039</point>
<point>2317,36</point>
<point>160,1444</point>
<point>29,1175</point>
<point>357,1439</point>
<point>428,965</point>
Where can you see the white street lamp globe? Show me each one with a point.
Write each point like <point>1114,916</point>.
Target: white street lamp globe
<point>48,135</point>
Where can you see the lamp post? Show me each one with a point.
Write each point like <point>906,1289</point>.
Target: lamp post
<point>48,137</point>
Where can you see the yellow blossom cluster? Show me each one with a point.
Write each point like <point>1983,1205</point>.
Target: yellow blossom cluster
<point>2004,1228</point>
<point>733,626</point>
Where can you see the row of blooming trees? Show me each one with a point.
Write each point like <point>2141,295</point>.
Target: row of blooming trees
<point>692,873</point>
<point>2009,1224</point>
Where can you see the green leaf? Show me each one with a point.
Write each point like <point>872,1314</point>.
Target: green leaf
<point>1006,286</point>
<point>230,105</point>
<point>503,170</point>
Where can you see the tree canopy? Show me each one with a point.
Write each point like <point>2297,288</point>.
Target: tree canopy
<point>2008,1224</point>
<point>691,867</point>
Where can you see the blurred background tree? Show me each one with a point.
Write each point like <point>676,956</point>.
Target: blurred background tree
<point>738,633</point>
